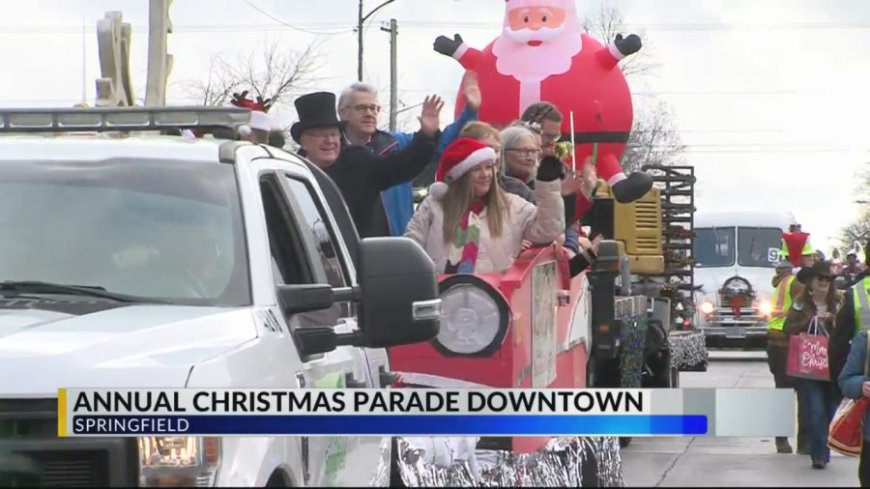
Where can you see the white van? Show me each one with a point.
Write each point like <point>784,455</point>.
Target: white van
<point>735,253</point>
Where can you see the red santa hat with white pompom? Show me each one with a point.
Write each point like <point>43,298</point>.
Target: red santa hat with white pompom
<point>260,118</point>
<point>459,158</point>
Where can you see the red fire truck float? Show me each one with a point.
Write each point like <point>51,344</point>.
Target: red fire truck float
<point>536,327</point>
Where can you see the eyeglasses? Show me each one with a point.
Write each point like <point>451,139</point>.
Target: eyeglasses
<point>362,108</point>
<point>526,152</point>
<point>323,136</point>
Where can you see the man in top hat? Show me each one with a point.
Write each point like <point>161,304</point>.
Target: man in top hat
<point>360,174</point>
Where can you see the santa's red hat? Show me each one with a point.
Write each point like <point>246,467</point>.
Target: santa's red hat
<point>459,158</point>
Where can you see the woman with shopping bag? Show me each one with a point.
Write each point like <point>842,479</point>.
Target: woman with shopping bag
<point>809,325</point>
<point>855,385</point>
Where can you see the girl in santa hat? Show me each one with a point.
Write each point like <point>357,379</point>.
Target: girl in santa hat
<point>468,224</point>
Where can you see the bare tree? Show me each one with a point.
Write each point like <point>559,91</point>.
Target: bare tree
<point>654,140</point>
<point>606,25</point>
<point>272,72</point>
<point>859,230</point>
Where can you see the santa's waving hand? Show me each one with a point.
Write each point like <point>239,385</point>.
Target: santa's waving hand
<point>543,54</point>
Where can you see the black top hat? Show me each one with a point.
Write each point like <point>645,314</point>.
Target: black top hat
<point>314,110</point>
<point>819,268</point>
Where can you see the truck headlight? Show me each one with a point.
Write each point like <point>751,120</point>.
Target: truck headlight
<point>180,461</point>
<point>475,317</point>
<point>707,307</point>
<point>765,307</point>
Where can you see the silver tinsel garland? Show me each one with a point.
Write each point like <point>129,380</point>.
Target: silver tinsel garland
<point>455,462</point>
<point>688,349</point>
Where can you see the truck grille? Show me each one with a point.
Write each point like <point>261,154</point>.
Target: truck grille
<point>749,316</point>
<point>28,432</point>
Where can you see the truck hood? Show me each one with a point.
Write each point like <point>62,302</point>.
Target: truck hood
<point>712,279</point>
<point>141,346</point>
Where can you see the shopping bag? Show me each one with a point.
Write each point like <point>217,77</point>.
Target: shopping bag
<point>846,431</point>
<point>808,353</point>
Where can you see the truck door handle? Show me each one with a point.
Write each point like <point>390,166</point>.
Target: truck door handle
<point>387,378</point>
<point>300,380</point>
<point>351,382</point>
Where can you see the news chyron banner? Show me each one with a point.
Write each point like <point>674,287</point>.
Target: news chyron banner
<point>426,412</point>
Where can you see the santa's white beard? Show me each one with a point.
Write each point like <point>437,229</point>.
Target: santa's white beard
<point>514,57</point>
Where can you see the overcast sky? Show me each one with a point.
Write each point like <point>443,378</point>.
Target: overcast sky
<point>769,95</point>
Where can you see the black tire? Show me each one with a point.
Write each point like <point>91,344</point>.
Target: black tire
<point>395,476</point>
<point>589,470</point>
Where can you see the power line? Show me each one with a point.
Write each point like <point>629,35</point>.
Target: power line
<point>343,27</point>
<point>289,26</point>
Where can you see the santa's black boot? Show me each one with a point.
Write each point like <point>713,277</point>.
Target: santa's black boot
<point>632,188</point>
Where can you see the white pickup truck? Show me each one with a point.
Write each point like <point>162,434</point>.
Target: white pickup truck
<point>130,260</point>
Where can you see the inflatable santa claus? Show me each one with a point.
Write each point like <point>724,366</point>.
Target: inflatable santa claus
<point>543,54</point>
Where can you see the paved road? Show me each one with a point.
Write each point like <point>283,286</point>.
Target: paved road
<point>732,462</point>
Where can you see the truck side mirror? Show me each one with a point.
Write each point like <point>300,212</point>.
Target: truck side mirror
<point>399,299</point>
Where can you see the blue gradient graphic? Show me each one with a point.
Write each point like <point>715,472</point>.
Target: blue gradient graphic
<point>399,425</point>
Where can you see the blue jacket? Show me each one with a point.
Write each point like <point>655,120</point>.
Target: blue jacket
<point>852,377</point>
<point>399,200</point>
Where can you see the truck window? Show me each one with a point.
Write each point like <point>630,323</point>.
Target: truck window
<point>288,255</point>
<point>714,247</point>
<point>320,230</point>
<point>157,229</point>
<point>758,247</point>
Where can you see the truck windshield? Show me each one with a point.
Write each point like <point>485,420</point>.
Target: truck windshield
<point>758,247</point>
<point>714,247</point>
<point>155,229</point>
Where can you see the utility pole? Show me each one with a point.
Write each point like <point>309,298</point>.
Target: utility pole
<point>393,29</point>
<point>159,61</point>
<point>360,20</point>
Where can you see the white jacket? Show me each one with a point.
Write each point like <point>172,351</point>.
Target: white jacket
<point>524,221</point>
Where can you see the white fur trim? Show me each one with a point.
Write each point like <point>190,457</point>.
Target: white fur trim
<point>261,121</point>
<point>438,190</point>
<point>615,52</point>
<point>616,179</point>
<point>470,162</point>
<point>460,51</point>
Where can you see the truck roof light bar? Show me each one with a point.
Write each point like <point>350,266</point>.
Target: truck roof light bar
<point>103,119</point>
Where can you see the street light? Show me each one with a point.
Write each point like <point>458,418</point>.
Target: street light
<point>359,31</point>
